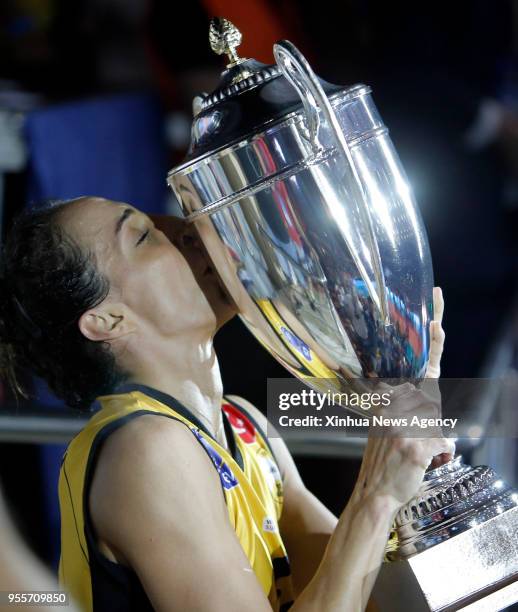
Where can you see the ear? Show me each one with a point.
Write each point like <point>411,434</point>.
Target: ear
<point>106,322</point>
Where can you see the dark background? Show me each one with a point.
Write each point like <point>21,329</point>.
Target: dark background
<point>101,90</point>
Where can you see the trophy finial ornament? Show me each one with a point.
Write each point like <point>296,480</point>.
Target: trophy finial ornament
<point>224,38</point>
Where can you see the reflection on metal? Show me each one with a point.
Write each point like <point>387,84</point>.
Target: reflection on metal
<point>253,188</point>
<point>299,73</point>
<point>301,240</point>
<point>453,499</point>
<point>477,570</point>
<point>457,544</point>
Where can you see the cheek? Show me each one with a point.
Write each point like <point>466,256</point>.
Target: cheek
<point>166,293</point>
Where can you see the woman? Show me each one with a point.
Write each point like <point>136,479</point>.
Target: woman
<point>171,497</point>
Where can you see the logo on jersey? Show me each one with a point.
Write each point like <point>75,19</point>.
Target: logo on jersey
<point>226,476</point>
<point>297,343</point>
<point>270,472</point>
<point>269,525</point>
<point>240,424</point>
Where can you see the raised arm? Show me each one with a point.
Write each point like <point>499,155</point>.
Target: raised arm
<point>335,561</point>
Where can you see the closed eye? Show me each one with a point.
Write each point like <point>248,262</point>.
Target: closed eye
<point>143,237</point>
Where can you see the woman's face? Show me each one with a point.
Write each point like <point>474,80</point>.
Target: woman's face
<point>166,280</point>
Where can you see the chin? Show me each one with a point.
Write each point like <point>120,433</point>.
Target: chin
<point>224,309</point>
<point>221,303</point>
<point>222,318</point>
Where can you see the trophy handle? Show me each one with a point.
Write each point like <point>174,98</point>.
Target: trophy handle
<point>299,73</point>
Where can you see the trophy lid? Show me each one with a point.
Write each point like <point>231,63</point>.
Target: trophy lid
<point>250,95</point>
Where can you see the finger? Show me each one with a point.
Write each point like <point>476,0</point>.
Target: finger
<point>437,337</point>
<point>397,391</point>
<point>442,446</point>
<point>398,399</point>
<point>438,304</point>
<point>451,446</point>
<point>440,459</point>
<point>415,403</point>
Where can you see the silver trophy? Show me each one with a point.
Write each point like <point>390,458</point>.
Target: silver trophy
<point>304,208</point>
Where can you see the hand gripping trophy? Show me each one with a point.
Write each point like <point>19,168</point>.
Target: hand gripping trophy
<point>302,204</point>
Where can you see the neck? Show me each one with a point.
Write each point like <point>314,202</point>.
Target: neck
<point>185,367</point>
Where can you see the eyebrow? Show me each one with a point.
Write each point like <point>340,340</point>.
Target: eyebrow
<point>120,221</point>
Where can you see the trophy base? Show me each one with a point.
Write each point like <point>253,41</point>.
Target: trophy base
<point>477,570</point>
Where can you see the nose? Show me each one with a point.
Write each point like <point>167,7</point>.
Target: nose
<point>183,235</point>
<point>172,227</point>
<point>190,238</point>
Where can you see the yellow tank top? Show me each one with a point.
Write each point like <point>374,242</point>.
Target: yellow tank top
<point>249,477</point>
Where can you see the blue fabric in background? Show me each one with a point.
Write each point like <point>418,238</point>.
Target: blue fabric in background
<point>112,147</point>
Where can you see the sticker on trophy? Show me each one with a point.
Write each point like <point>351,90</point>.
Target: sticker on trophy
<point>296,342</point>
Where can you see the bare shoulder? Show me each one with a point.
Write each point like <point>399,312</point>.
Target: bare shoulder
<point>150,468</point>
<point>147,442</point>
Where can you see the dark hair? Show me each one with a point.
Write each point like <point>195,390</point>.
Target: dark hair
<point>48,281</point>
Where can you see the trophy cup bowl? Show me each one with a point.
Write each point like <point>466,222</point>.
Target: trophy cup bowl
<point>303,206</point>
<point>309,219</point>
